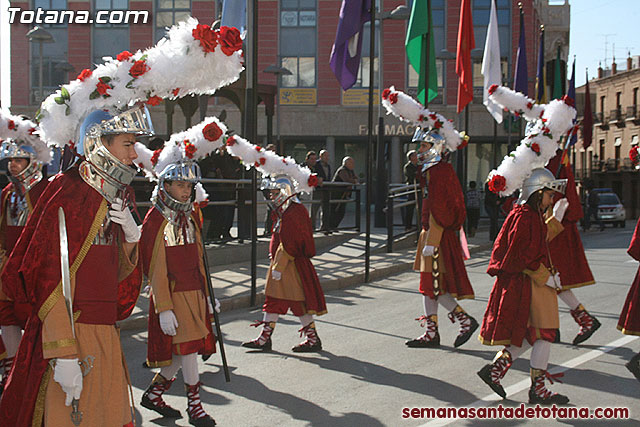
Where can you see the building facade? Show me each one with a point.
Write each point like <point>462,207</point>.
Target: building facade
<point>298,35</point>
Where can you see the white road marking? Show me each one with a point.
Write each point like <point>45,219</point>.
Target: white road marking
<point>524,384</point>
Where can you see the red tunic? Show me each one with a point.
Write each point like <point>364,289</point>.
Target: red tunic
<point>296,236</point>
<point>567,252</point>
<point>33,270</point>
<point>11,312</point>
<point>629,322</point>
<point>160,347</point>
<point>445,201</point>
<point>520,246</point>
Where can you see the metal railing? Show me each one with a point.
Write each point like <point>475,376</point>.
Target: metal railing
<point>399,196</point>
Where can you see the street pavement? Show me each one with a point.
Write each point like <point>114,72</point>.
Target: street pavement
<point>365,375</point>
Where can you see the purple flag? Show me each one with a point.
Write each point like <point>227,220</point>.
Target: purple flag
<point>521,79</point>
<point>346,50</point>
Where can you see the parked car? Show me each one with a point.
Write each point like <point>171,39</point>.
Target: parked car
<point>610,208</point>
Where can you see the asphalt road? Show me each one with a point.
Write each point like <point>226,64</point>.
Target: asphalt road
<point>366,375</point>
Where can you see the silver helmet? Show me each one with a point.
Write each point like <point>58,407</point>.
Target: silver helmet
<point>101,166</point>
<point>434,154</point>
<point>170,208</point>
<point>539,179</point>
<point>32,174</point>
<point>287,191</point>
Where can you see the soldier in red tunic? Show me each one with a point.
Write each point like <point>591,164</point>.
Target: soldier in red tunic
<point>443,276</point>
<point>180,306</point>
<point>523,306</point>
<point>629,321</point>
<point>292,282</point>
<point>567,254</point>
<point>26,153</point>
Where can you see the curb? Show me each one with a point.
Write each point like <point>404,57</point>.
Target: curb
<point>139,322</point>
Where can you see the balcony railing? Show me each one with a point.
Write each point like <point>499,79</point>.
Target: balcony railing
<point>615,117</point>
<point>602,121</point>
<point>632,115</point>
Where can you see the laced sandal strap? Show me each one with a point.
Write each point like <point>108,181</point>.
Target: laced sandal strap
<point>554,377</point>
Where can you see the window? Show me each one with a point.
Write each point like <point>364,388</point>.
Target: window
<point>635,96</point>
<point>602,104</point>
<point>298,42</point>
<point>169,12</point>
<point>618,100</point>
<point>363,71</point>
<point>54,55</point>
<point>481,13</point>
<point>109,39</point>
<point>602,150</point>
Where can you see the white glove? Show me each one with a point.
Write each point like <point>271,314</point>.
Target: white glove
<point>211,305</point>
<point>554,281</point>
<point>428,250</point>
<point>68,374</point>
<point>276,275</point>
<point>560,208</point>
<point>168,322</point>
<point>122,215</point>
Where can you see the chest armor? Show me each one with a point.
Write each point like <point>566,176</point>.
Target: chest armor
<point>17,210</point>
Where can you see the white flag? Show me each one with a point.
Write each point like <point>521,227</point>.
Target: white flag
<point>491,66</point>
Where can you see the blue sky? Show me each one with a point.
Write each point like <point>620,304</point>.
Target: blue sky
<point>591,20</point>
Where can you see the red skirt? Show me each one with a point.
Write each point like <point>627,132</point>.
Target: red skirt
<point>567,254</point>
<point>629,322</point>
<point>14,313</point>
<point>282,306</point>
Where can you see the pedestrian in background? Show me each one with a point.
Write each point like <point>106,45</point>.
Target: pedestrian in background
<point>323,170</point>
<point>410,173</point>
<point>346,174</point>
<point>311,161</point>
<point>492,206</point>
<point>592,210</point>
<point>268,221</point>
<point>473,208</point>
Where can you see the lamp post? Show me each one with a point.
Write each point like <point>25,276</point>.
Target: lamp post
<point>278,72</point>
<point>65,67</point>
<point>399,13</point>
<point>40,35</point>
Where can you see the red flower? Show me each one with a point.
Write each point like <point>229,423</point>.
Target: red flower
<point>393,98</point>
<point>535,147</point>
<point>124,55</point>
<point>138,68</point>
<point>211,132</point>
<point>84,74</point>
<point>256,164</point>
<point>529,105</point>
<point>433,116</point>
<point>230,40</point>
<point>258,148</point>
<point>421,118</point>
<point>541,114</point>
<point>154,100</point>
<point>284,161</point>
<point>492,89</point>
<point>437,124</point>
<point>313,180</point>
<point>386,93</point>
<point>156,155</point>
<point>102,88</point>
<point>31,131</point>
<point>231,141</point>
<point>11,125</point>
<point>569,101</point>
<point>189,149</point>
<point>262,160</point>
<point>497,183</point>
<point>176,91</point>
<point>206,36</point>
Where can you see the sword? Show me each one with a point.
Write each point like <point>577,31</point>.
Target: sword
<point>76,415</point>
<point>435,271</point>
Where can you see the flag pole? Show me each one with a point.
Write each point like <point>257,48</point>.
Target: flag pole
<point>425,38</point>
<point>367,244</point>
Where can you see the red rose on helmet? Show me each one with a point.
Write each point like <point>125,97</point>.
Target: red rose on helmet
<point>176,91</point>
<point>313,180</point>
<point>262,160</point>
<point>86,73</point>
<point>102,88</point>
<point>529,105</point>
<point>189,149</point>
<point>11,125</point>
<point>124,55</point>
<point>206,36</point>
<point>535,147</point>
<point>437,124</point>
<point>258,148</point>
<point>154,100</point>
<point>155,156</point>
<point>138,68</point>
<point>393,98</point>
<point>230,40</point>
<point>433,116</point>
<point>497,183</point>
<point>231,141</point>
<point>211,132</point>
<point>31,131</point>
<point>386,93</point>
<point>569,101</point>
<point>421,118</point>
<point>492,89</point>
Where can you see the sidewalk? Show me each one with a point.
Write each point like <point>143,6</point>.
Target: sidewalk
<point>339,263</point>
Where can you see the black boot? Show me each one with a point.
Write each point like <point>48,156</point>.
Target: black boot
<point>312,343</point>
<point>197,416</point>
<point>431,337</point>
<point>493,373</point>
<point>634,366</point>
<point>468,325</point>
<point>152,397</point>
<point>538,392</point>
<point>263,342</point>
<point>588,324</point>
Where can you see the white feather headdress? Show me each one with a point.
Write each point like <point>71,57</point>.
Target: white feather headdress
<point>550,122</point>
<point>193,144</point>
<point>192,59</point>
<point>269,163</point>
<point>409,110</point>
<point>24,131</point>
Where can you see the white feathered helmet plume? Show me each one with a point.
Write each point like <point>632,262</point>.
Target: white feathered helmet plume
<point>271,164</point>
<point>176,161</point>
<point>192,59</point>
<point>24,135</point>
<point>547,124</point>
<point>407,109</point>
